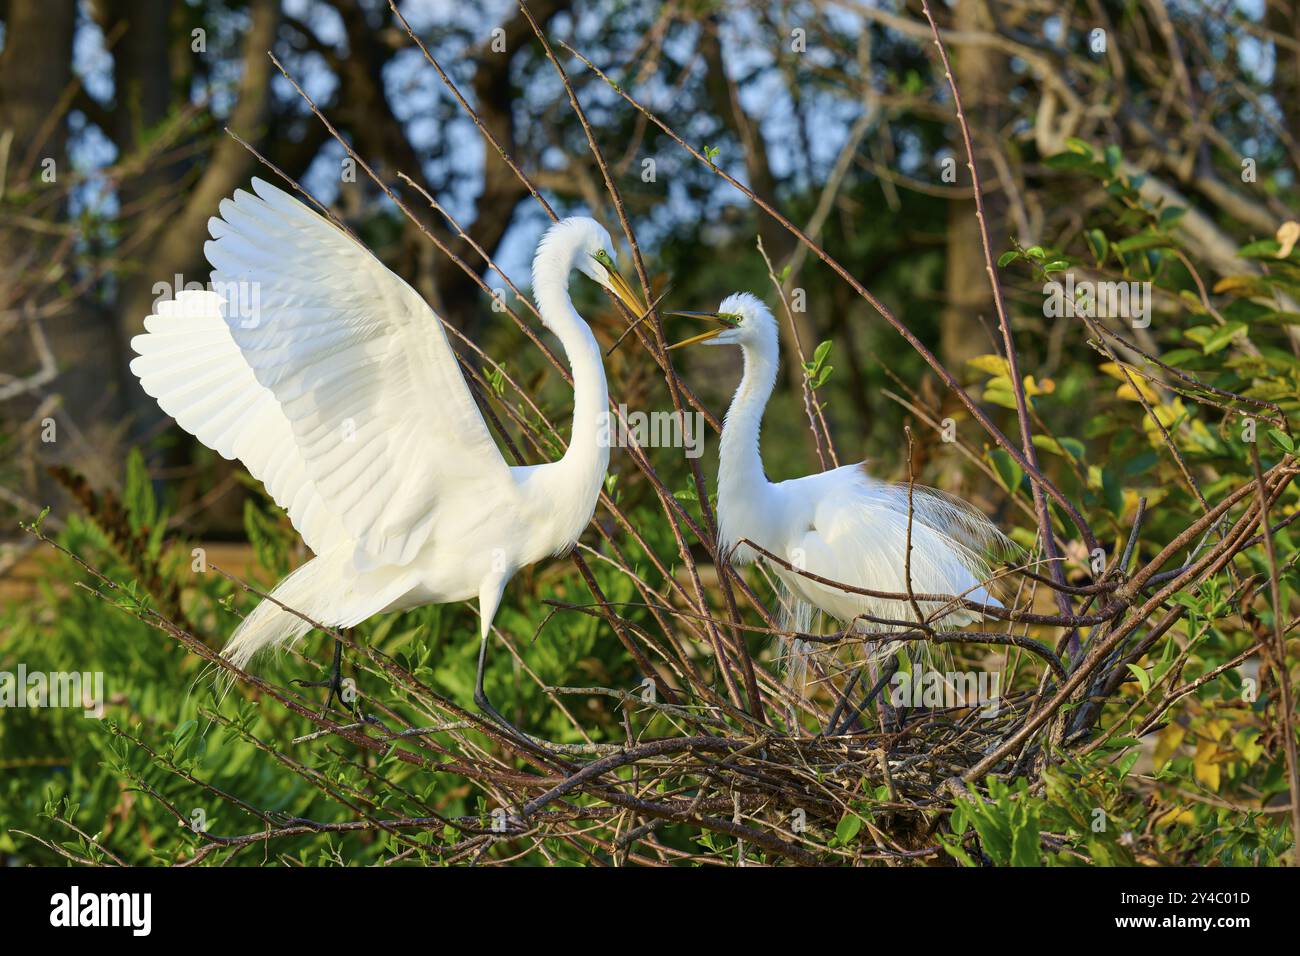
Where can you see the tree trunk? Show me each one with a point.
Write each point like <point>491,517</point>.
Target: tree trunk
<point>36,266</point>
<point>968,298</point>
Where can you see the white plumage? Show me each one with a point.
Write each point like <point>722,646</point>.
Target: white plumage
<point>334,383</point>
<point>841,525</point>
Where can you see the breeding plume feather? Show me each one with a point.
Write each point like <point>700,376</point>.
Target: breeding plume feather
<point>334,383</point>
<point>841,525</point>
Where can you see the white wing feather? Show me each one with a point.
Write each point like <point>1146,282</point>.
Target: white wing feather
<point>386,428</point>
<point>189,362</point>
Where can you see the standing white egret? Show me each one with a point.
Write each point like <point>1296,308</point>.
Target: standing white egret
<point>842,525</point>
<point>333,382</point>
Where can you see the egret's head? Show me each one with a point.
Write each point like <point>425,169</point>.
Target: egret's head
<point>592,254</point>
<point>741,319</point>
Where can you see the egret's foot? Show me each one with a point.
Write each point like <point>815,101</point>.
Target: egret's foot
<point>510,730</point>
<point>335,684</point>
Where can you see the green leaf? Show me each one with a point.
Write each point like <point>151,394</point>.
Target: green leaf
<point>1000,395</point>
<point>957,852</point>
<point>1011,255</point>
<point>1112,490</point>
<point>1127,762</point>
<point>1144,240</point>
<point>994,832</point>
<point>1070,161</point>
<point>848,827</point>
<point>1065,447</point>
<point>1008,470</point>
<point>183,732</point>
<point>137,494</point>
<point>1282,440</point>
<point>1170,215</point>
<point>1143,678</point>
<point>1024,845</point>
<point>1222,337</point>
<point>1260,249</point>
<point>958,820</point>
<point>1098,244</point>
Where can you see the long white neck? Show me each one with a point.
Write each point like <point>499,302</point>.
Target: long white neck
<point>743,488</point>
<point>581,471</point>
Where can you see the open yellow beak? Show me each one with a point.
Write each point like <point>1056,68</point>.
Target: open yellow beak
<point>703,336</point>
<point>619,286</point>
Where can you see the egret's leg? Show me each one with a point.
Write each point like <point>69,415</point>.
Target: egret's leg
<point>480,695</point>
<point>834,721</point>
<point>334,682</point>
<point>889,714</point>
<point>481,701</point>
<point>856,713</point>
<point>914,661</point>
<point>489,597</point>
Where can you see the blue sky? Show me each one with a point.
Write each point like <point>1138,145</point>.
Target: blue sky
<point>414,89</point>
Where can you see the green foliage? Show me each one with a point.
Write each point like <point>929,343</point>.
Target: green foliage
<point>1189,784</point>
<point>817,370</point>
<point>173,747</point>
<point>1007,825</point>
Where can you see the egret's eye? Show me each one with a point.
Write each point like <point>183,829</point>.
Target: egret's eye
<point>601,256</point>
<point>730,319</point>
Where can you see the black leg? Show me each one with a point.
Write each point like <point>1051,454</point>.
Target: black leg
<point>839,704</point>
<point>485,706</point>
<point>856,713</point>
<point>334,682</point>
<point>897,716</point>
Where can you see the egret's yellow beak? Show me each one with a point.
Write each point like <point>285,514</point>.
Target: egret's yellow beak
<point>619,286</point>
<point>703,336</point>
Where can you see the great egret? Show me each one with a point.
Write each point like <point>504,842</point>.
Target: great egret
<point>333,382</point>
<point>842,525</point>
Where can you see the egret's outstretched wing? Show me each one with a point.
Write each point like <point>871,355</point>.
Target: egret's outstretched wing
<point>379,412</point>
<point>189,362</point>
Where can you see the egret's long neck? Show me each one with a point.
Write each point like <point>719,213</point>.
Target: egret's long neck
<point>587,456</point>
<point>740,464</point>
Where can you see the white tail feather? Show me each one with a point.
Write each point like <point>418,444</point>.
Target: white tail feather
<point>329,592</point>
<point>270,625</point>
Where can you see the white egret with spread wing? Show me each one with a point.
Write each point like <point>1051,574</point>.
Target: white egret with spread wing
<point>334,383</point>
<point>841,525</point>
